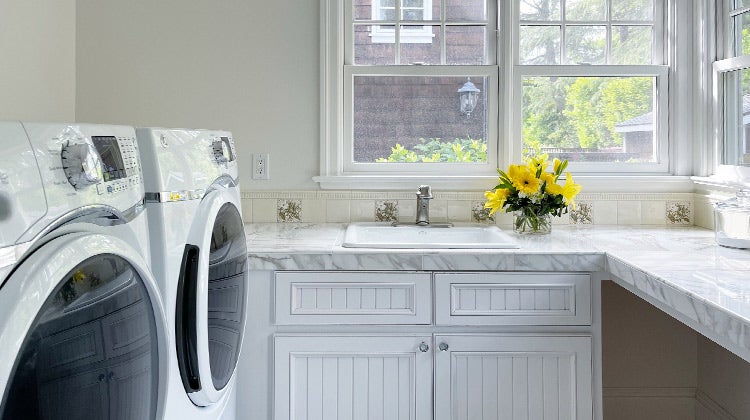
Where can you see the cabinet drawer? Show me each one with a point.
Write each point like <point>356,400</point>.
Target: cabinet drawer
<point>512,299</point>
<point>352,298</point>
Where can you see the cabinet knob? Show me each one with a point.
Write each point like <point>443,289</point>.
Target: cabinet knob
<point>443,346</point>
<point>424,347</point>
<point>101,377</point>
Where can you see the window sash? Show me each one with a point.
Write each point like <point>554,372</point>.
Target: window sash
<point>736,173</point>
<point>661,104</point>
<point>349,166</point>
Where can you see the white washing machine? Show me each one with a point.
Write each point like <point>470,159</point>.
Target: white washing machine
<point>199,257</point>
<point>82,327</point>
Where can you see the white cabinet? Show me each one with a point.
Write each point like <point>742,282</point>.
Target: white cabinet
<point>502,377</point>
<point>480,346</point>
<point>353,377</point>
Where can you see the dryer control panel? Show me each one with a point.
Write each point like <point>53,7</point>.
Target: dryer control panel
<point>87,164</point>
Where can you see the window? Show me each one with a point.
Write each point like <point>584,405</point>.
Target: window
<point>732,80</point>
<point>592,86</point>
<point>411,10</point>
<point>585,80</point>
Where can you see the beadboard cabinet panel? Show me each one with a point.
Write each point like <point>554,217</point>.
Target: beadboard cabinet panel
<point>512,299</point>
<point>500,377</point>
<point>304,298</point>
<point>321,377</point>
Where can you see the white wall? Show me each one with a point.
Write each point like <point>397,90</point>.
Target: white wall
<point>248,66</point>
<point>37,68</point>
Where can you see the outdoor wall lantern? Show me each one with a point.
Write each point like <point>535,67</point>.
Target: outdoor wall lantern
<point>468,96</point>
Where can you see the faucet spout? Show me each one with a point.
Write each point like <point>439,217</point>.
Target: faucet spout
<point>424,194</point>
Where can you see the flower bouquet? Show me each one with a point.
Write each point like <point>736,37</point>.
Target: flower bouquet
<point>533,194</point>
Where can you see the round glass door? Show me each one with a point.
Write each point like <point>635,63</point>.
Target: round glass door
<point>227,265</point>
<point>91,352</point>
<point>210,315</point>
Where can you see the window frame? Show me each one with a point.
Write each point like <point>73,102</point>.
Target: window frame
<point>728,60</point>
<point>381,35</point>
<point>671,174</point>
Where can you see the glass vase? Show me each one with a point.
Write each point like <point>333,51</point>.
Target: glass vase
<point>531,224</point>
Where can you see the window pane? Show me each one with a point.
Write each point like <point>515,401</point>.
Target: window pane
<point>736,118</point>
<point>585,44</point>
<point>417,119</point>
<point>465,45</point>
<point>741,34</point>
<point>540,10</point>
<point>374,44</point>
<point>584,10</point>
<point>591,119</point>
<point>738,4</point>
<point>362,9</point>
<point>631,44</point>
<point>420,44</point>
<point>465,10</point>
<point>632,9</point>
<point>539,45</point>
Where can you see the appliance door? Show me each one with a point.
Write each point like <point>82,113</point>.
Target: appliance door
<point>210,314</point>
<point>83,334</point>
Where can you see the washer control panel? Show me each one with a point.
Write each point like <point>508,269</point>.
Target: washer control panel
<point>87,164</point>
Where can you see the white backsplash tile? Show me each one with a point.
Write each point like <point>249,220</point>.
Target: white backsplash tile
<point>362,211</point>
<point>337,211</point>
<point>629,213</point>
<point>462,207</point>
<point>653,212</point>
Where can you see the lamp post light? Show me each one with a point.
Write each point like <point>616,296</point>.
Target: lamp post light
<point>468,97</point>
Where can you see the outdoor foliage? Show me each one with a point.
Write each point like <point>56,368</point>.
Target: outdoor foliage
<point>435,150</point>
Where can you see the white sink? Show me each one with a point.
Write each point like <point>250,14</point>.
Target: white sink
<point>381,235</point>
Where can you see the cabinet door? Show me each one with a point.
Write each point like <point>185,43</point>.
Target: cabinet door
<point>130,388</point>
<point>79,396</point>
<point>352,377</point>
<point>518,377</point>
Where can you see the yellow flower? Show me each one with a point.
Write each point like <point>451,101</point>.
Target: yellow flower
<point>570,190</point>
<point>547,177</point>
<point>553,189</point>
<point>535,163</point>
<point>556,164</point>
<point>79,276</point>
<point>496,199</point>
<point>525,181</point>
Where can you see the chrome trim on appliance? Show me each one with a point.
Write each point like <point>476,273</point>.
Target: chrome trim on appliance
<point>173,196</point>
<point>98,214</point>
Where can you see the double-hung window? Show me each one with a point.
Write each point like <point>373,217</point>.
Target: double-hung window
<point>732,83</point>
<point>449,90</point>
<point>591,83</point>
<point>410,90</point>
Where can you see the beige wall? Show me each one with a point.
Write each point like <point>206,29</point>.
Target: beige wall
<point>37,69</point>
<point>648,358</point>
<point>248,66</point>
<point>723,383</point>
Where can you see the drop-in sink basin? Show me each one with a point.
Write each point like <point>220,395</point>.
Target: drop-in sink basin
<point>381,235</point>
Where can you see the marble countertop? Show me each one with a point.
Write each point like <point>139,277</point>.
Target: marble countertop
<point>680,270</point>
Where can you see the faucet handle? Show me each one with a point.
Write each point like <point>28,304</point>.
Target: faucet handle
<point>424,191</point>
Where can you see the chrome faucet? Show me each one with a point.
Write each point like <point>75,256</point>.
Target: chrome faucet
<point>424,194</point>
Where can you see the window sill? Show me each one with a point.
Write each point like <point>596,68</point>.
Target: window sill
<point>591,183</point>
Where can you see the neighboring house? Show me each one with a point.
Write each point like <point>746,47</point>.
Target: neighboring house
<point>638,135</point>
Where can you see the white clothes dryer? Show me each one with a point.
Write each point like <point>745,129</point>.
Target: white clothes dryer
<point>199,256</point>
<point>82,327</point>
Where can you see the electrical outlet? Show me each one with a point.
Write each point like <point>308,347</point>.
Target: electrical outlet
<point>260,166</point>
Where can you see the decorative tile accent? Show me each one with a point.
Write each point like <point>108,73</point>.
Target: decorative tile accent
<point>386,211</point>
<point>679,212</point>
<point>289,211</point>
<point>479,214</point>
<point>583,214</point>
